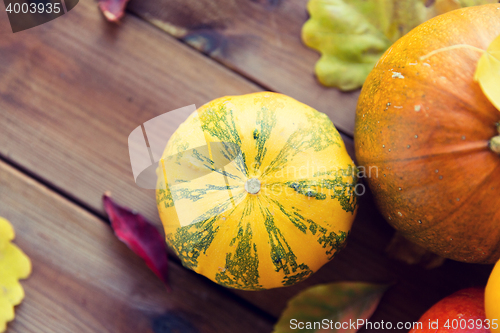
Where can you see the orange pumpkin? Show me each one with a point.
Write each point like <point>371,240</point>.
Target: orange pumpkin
<point>426,127</point>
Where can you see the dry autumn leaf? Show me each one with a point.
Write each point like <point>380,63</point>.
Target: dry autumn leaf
<point>352,35</point>
<point>488,72</point>
<point>14,265</point>
<point>331,305</point>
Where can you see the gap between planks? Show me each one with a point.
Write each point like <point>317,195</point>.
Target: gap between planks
<point>345,135</point>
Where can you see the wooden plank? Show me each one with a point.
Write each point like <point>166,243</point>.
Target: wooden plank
<point>260,39</point>
<point>72,90</point>
<point>85,280</point>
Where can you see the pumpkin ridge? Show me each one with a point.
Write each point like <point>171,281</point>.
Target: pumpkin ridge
<point>409,198</point>
<point>486,118</point>
<point>185,241</point>
<point>223,207</point>
<point>333,240</point>
<point>211,123</point>
<point>443,93</point>
<point>258,237</point>
<point>347,200</point>
<point>266,119</point>
<point>463,206</point>
<point>241,264</point>
<point>282,256</point>
<point>164,195</point>
<point>447,202</point>
<point>281,158</point>
<point>449,92</point>
<point>295,220</point>
<point>197,194</point>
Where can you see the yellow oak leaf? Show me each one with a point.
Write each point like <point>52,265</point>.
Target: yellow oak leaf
<point>14,265</point>
<point>488,72</point>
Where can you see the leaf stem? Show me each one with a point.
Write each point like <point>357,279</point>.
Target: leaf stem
<point>453,47</point>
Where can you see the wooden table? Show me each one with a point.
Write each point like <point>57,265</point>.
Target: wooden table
<point>73,89</point>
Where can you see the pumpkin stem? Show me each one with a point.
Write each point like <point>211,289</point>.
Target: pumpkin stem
<point>252,186</point>
<point>458,46</point>
<point>495,144</point>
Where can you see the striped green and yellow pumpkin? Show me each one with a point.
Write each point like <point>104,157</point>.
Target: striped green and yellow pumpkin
<point>256,191</point>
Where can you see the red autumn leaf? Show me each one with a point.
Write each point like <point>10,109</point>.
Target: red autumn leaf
<point>140,235</point>
<point>113,10</point>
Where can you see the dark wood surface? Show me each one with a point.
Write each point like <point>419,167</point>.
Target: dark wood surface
<point>73,89</point>
<point>259,39</point>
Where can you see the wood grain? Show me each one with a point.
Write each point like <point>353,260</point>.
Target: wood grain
<point>257,38</point>
<point>72,90</point>
<point>85,280</point>
<point>413,289</point>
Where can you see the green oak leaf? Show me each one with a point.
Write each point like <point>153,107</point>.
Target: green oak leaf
<point>328,304</point>
<point>352,35</point>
